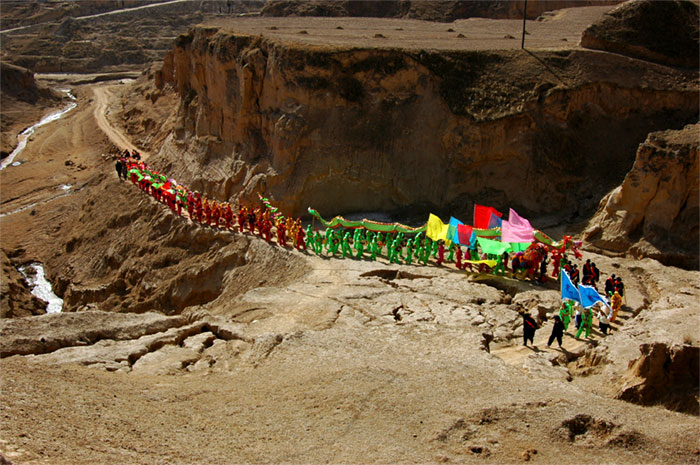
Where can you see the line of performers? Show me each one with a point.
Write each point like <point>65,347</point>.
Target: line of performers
<point>356,243</point>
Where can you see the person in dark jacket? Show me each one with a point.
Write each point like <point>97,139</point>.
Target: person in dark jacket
<point>557,331</point>
<point>610,285</point>
<point>529,328</point>
<point>118,167</point>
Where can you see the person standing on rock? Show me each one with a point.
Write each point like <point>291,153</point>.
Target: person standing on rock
<point>557,331</point>
<point>529,328</point>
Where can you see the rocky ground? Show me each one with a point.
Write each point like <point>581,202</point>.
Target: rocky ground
<point>182,344</point>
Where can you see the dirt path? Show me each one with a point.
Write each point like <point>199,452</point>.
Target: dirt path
<point>103,101</point>
<point>98,15</point>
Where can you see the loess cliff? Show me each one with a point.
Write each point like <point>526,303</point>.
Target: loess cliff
<point>654,212</point>
<point>365,128</point>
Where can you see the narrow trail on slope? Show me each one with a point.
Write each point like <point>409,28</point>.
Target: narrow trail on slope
<point>98,15</point>
<point>103,97</point>
<point>515,355</point>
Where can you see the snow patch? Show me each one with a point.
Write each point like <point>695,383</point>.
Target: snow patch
<point>41,288</point>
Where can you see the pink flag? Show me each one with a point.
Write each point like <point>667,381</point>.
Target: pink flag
<point>516,229</point>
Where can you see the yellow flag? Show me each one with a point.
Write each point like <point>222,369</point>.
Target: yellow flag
<point>436,229</point>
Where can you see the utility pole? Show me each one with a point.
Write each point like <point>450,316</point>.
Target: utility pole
<point>522,44</point>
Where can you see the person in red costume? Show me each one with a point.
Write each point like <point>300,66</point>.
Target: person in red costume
<point>556,259</point>
<point>299,241</point>
<point>207,211</point>
<point>458,257</point>
<point>441,253</point>
<point>215,214</point>
<point>242,217</point>
<point>281,233</point>
<point>228,216</point>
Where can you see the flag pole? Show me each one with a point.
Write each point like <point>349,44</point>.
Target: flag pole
<point>522,43</point>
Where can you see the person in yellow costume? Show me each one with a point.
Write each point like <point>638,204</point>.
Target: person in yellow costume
<point>616,305</point>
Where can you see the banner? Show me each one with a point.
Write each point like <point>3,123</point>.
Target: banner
<point>517,229</point>
<point>452,231</point>
<point>482,216</point>
<point>436,228</point>
<point>568,290</point>
<point>492,247</point>
<point>464,234</point>
<point>589,296</point>
<point>489,263</point>
<point>375,226</point>
<point>519,246</point>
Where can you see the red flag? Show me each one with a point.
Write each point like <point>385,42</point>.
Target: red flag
<point>464,233</point>
<point>482,216</point>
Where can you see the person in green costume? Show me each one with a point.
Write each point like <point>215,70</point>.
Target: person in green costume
<point>345,245</point>
<point>356,235</point>
<point>451,254</point>
<point>500,268</point>
<point>586,323</point>
<point>425,252</point>
<point>409,253</point>
<point>417,241</point>
<point>395,249</point>
<point>436,247</point>
<point>309,238</point>
<point>565,313</point>
<point>359,245</point>
<point>474,253</point>
<point>335,243</point>
<point>318,243</point>
<point>329,239</point>
<point>374,249</point>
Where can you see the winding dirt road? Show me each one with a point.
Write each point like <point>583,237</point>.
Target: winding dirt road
<point>103,99</point>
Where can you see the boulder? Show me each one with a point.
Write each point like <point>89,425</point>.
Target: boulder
<point>663,32</point>
<point>665,375</point>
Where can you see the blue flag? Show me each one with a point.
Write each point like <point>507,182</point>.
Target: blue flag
<point>495,221</point>
<point>568,290</point>
<point>589,296</point>
<point>452,230</point>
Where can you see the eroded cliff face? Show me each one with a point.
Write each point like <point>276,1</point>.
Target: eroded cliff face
<point>655,211</point>
<point>356,129</point>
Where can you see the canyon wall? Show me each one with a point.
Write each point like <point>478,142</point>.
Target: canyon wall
<point>356,129</point>
<point>23,102</point>
<point>655,212</point>
<point>98,36</point>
